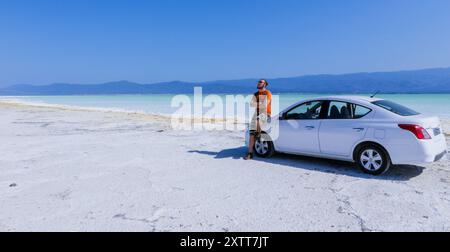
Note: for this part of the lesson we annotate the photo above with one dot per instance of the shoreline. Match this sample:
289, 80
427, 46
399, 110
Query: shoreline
146, 115
141, 114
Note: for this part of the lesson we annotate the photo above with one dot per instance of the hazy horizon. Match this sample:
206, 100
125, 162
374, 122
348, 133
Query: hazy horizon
229, 80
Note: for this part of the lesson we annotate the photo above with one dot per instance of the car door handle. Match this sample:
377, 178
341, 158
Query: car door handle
310, 127
359, 129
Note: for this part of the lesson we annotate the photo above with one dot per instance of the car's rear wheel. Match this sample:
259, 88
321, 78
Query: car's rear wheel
373, 160
264, 146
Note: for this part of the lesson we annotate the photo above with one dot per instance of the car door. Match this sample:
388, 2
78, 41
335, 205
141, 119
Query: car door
342, 127
299, 129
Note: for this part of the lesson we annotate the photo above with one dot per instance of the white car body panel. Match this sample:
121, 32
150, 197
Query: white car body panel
296, 130
338, 138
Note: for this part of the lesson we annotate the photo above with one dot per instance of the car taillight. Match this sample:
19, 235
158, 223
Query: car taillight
417, 130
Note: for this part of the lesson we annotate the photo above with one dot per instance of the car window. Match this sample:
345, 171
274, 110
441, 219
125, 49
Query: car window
396, 108
346, 110
360, 111
305, 111
338, 110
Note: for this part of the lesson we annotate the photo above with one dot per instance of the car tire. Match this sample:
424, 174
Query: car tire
373, 159
264, 147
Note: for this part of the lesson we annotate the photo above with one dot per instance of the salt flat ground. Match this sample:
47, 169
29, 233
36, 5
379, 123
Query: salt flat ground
74, 170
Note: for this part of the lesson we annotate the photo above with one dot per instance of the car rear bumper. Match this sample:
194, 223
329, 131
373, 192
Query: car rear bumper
420, 152
434, 150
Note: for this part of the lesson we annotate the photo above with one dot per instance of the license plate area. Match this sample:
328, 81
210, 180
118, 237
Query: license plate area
436, 131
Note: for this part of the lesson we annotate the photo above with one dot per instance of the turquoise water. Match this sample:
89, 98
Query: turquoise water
428, 104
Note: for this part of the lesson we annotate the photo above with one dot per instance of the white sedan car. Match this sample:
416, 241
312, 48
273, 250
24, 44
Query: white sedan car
374, 133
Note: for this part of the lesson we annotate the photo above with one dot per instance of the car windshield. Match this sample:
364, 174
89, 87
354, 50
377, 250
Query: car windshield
396, 108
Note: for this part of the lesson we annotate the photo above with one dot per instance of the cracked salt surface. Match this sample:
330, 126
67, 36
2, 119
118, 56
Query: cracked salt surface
100, 171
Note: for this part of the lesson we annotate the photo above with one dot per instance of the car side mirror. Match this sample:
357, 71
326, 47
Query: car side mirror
282, 116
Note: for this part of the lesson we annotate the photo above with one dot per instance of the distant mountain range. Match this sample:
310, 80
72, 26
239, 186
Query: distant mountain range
417, 81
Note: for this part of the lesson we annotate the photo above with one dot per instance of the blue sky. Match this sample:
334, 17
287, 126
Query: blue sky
81, 41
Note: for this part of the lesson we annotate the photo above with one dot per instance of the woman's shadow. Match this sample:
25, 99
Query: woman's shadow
396, 173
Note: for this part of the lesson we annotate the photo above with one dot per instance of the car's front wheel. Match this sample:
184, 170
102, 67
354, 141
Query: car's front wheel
373, 160
264, 146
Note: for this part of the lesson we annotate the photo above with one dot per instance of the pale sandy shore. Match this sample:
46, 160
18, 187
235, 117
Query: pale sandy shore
85, 170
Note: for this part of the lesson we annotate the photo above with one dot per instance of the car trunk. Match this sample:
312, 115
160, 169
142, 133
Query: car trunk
431, 123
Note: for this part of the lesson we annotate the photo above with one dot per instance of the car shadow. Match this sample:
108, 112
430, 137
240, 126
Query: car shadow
396, 173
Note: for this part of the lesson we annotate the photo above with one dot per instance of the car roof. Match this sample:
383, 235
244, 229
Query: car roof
350, 98
362, 100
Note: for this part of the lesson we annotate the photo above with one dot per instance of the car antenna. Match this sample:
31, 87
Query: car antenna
375, 94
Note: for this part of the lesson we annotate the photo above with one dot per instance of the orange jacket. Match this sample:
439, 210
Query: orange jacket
263, 99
